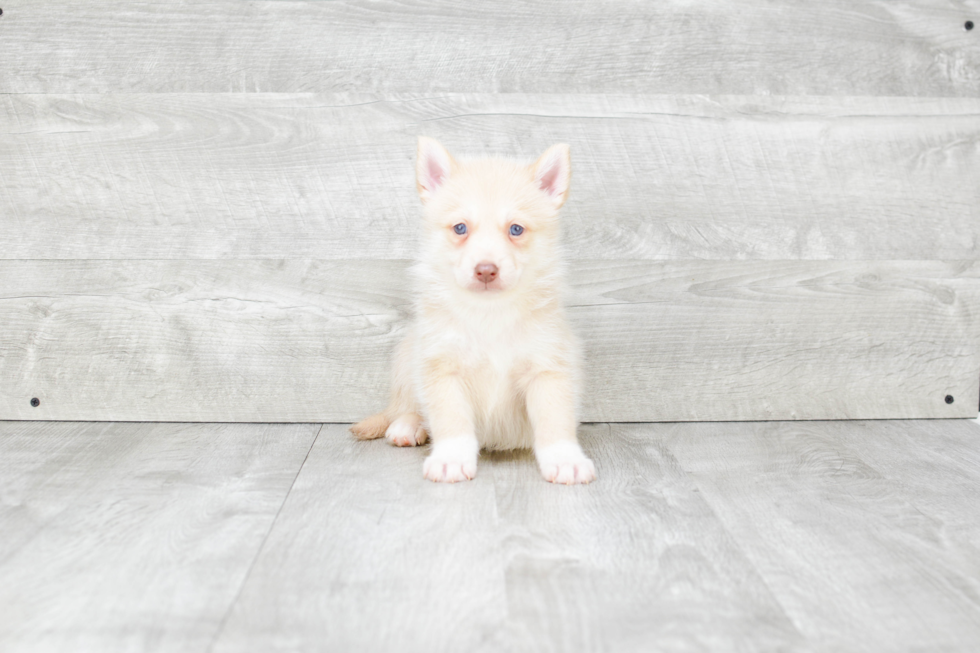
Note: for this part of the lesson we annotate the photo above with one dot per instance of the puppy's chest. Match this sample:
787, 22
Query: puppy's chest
495, 359
497, 352
496, 376
500, 358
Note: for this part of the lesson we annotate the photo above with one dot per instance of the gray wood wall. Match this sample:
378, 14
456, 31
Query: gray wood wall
205, 207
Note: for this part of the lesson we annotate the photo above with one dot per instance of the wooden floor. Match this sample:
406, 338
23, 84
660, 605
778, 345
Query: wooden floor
809, 536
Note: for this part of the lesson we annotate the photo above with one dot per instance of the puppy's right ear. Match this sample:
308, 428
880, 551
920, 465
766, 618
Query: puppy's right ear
432, 168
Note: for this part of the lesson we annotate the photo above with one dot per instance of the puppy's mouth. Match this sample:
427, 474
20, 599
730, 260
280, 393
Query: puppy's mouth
486, 286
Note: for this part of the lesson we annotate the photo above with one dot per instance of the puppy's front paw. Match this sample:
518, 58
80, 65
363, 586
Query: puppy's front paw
565, 463
452, 460
406, 431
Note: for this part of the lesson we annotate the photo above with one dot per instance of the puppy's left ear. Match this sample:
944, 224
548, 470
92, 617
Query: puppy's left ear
553, 172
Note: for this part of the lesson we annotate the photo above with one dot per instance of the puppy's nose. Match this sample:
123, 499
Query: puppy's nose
486, 271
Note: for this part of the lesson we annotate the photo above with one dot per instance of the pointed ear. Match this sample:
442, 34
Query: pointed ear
432, 167
553, 172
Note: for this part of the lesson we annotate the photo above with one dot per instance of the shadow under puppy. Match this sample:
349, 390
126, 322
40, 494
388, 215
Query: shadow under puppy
489, 361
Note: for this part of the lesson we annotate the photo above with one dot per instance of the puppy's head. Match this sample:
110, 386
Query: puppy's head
491, 225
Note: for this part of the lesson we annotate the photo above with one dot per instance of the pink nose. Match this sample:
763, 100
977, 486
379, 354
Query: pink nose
486, 271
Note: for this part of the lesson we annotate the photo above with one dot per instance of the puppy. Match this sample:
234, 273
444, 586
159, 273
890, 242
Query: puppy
490, 361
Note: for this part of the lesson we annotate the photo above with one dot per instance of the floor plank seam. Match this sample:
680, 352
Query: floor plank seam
737, 543
258, 551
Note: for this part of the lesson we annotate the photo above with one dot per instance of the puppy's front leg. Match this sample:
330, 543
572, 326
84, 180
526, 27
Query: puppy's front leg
551, 408
454, 444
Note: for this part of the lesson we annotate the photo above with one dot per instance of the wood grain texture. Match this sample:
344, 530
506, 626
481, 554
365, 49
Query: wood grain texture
368, 556
855, 556
306, 340
133, 537
637, 561
815, 536
331, 176
934, 465
871, 47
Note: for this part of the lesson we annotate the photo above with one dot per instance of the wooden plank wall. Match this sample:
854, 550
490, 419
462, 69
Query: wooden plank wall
205, 207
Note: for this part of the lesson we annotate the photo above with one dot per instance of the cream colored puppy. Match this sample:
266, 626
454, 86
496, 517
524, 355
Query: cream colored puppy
490, 361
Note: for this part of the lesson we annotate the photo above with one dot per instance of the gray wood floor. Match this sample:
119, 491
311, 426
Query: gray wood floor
815, 536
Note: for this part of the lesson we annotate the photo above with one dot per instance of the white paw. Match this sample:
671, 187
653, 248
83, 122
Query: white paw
452, 460
406, 431
564, 462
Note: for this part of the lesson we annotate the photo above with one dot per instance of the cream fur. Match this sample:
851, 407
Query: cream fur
489, 365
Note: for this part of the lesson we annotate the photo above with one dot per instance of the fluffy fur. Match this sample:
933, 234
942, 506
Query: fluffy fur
490, 361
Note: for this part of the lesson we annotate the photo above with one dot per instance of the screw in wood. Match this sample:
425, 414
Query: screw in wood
35, 402
949, 399
968, 24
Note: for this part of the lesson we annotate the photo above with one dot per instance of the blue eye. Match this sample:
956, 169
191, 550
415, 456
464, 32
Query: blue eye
460, 229
516, 230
